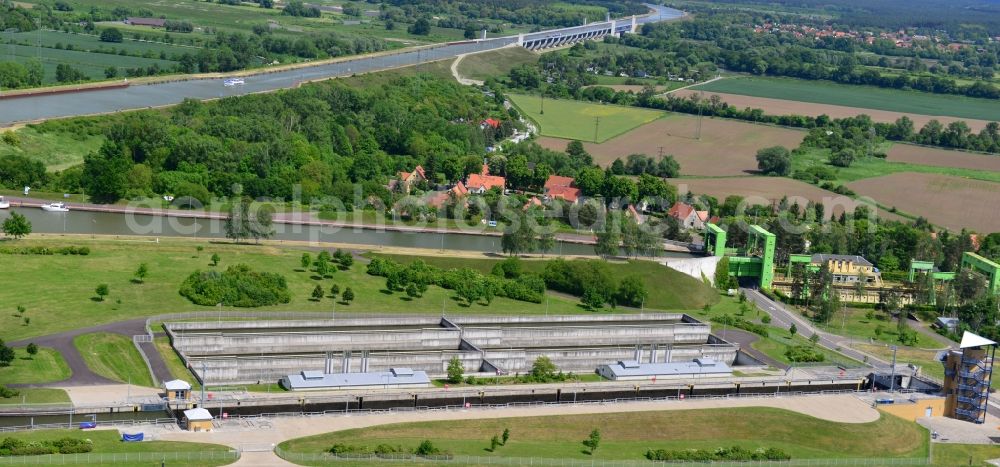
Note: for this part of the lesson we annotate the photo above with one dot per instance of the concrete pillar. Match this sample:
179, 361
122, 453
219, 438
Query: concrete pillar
668, 356
364, 361
520, 39
347, 362
328, 363
652, 353
635, 25
638, 353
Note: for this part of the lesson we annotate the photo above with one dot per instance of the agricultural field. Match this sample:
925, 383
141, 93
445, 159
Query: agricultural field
766, 190
495, 63
943, 158
868, 167
582, 121
865, 97
629, 435
91, 64
57, 290
949, 201
792, 107
726, 147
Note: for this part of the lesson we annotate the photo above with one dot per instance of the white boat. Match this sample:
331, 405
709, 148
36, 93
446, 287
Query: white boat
4, 204
55, 207
234, 82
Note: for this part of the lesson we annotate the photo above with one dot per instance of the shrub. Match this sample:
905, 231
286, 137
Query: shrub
803, 353
238, 286
734, 453
741, 323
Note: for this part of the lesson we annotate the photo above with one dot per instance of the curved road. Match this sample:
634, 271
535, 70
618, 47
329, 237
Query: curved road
42, 107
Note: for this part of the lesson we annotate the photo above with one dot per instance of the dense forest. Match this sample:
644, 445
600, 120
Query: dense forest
532, 12
324, 137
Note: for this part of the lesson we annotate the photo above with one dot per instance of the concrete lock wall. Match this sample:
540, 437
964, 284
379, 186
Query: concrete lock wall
338, 324
572, 335
236, 344
474, 321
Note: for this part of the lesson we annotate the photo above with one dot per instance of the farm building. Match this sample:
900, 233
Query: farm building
394, 378
627, 370
688, 216
177, 390
197, 420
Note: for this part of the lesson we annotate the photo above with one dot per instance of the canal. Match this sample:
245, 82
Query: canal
103, 223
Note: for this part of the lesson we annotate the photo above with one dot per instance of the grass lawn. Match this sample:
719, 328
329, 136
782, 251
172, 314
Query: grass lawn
779, 339
109, 441
866, 97
866, 167
57, 289
577, 120
922, 358
496, 63
853, 323
959, 454
45, 367
37, 396
668, 289
174, 363
113, 356
629, 435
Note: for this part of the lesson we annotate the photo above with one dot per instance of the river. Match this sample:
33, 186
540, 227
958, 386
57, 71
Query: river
104, 223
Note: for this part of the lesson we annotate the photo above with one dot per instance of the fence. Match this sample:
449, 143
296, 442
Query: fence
114, 458
325, 458
103, 423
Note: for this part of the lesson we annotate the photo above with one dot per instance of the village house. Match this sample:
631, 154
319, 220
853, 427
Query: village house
688, 216
559, 187
437, 199
405, 181
482, 182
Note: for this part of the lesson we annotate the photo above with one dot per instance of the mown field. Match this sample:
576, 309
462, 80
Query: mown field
944, 158
629, 435
45, 367
58, 290
113, 356
496, 63
726, 147
866, 97
582, 121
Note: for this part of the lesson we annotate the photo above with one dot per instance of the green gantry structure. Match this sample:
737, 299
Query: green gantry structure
970, 260
756, 261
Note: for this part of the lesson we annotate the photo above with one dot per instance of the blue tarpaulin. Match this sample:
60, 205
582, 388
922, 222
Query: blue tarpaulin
131, 438
85, 425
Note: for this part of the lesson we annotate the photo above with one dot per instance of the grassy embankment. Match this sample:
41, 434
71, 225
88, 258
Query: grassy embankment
109, 441
629, 435
113, 356
867, 97
582, 120
45, 367
57, 290
496, 63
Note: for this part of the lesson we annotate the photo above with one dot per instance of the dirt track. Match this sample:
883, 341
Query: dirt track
783, 107
726, 147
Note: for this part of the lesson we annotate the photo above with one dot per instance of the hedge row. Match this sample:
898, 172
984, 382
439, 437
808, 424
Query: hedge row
734, 453
17, 447
42, 250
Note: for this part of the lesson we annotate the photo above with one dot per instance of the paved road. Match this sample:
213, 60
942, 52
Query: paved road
82, 376
783, 317
745, 340
41, 107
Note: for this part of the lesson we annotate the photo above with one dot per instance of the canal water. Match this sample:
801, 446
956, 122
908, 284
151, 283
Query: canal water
103, 223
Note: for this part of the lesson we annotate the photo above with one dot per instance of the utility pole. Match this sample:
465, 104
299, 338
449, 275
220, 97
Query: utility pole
541, 111
661, 152
697, 133
892, 378
597, 124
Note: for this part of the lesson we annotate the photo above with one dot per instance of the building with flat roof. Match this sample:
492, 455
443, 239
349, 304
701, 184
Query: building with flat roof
310, 380
197, 420
627, 370
177, 390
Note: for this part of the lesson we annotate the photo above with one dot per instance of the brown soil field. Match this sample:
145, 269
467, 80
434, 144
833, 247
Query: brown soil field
783, 107
769, 190
726, 147
949, 201
943, 157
